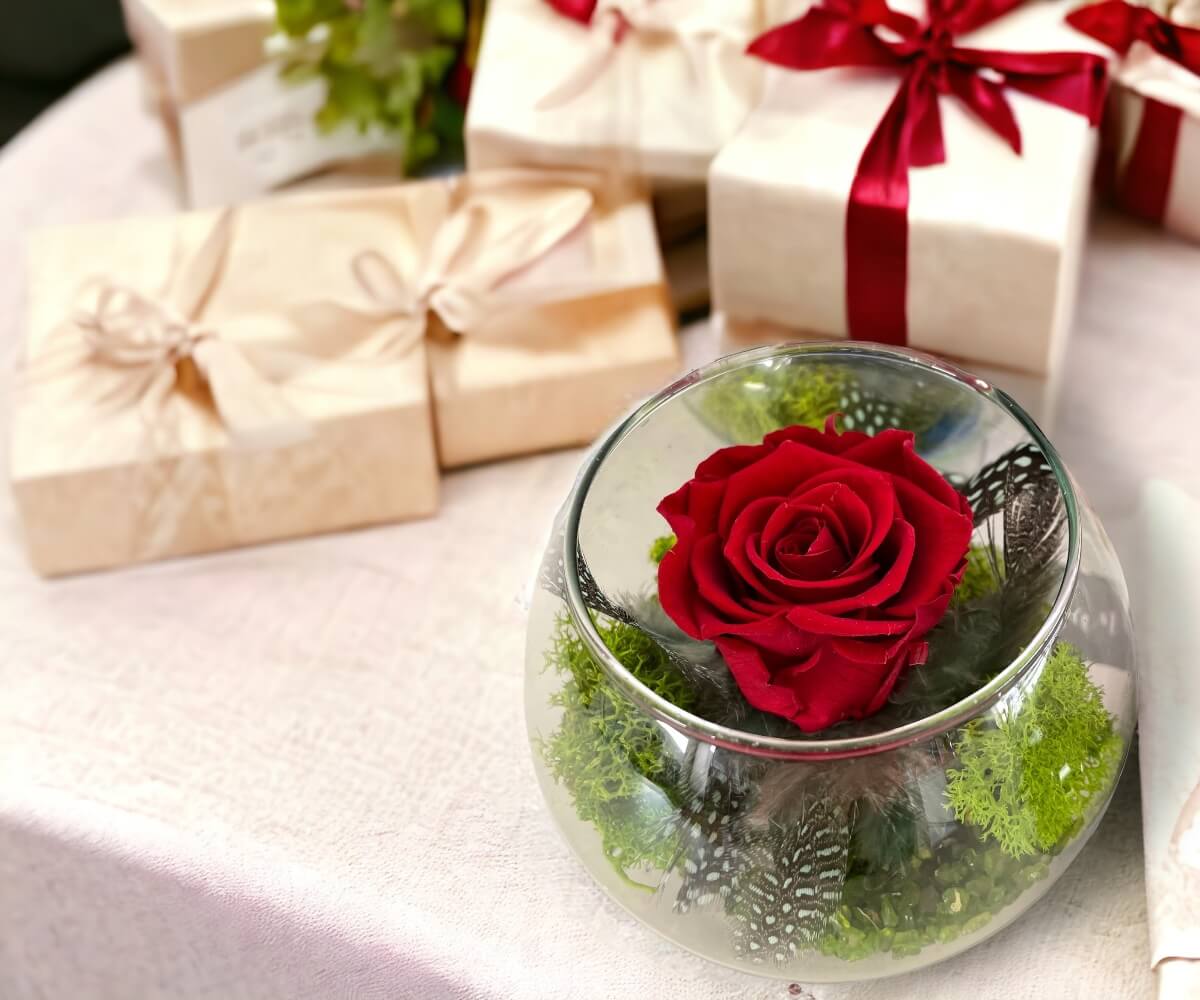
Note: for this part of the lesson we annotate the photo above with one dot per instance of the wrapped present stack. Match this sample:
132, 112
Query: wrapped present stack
916, 172
258, 97
647, 87
1152, 149
219, 383
913, 178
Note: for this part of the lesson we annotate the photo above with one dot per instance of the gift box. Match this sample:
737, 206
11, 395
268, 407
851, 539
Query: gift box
913, 182
554, 317
646, 87
210, 380
1151, 157
239, 129
190, 48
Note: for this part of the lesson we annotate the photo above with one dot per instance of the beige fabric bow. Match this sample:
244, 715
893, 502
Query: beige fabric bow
489, 232
146, 337
498, 227
691, 24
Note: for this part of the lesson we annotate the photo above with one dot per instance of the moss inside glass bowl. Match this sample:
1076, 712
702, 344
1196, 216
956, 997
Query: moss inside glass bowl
880, 844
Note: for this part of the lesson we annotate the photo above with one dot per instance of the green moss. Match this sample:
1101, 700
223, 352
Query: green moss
982, 575
385, 66
660, 547
746, 405
608, 754
749, 405
1029, 780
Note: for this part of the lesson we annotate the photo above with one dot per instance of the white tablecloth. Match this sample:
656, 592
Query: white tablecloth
300, 771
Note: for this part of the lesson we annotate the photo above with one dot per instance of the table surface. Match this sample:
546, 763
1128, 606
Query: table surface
301, 770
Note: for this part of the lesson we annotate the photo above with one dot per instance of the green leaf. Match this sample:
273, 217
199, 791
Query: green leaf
299, 17
1030, 779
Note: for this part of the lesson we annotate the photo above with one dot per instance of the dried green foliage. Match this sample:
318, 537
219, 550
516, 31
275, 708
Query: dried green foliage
660, 547
385, 65
983, 575
608, 753
1029, 779
746, 406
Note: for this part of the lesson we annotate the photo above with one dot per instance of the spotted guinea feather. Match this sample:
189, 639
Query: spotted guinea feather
791, 884
989, 490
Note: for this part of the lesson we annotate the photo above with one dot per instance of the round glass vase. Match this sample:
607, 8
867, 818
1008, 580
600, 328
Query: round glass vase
873, 847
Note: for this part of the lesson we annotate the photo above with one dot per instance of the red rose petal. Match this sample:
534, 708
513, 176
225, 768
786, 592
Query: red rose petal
676, 592
754, 679
943, 537
807, 619
832, 691
817, 561
904, 542
713, 581
801, 591
894, 451
743, 535
790, 465
828, 440
818, 501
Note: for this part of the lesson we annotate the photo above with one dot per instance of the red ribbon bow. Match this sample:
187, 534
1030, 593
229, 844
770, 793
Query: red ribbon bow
844, 33
1119, 24
1145, 183
576, 10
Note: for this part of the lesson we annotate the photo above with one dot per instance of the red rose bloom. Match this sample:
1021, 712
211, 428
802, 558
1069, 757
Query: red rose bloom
816, 561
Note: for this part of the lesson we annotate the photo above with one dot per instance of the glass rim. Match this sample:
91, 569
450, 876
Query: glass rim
778, 747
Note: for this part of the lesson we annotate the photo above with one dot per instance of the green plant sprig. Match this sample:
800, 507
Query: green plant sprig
608, 754
1029, 779
384, 64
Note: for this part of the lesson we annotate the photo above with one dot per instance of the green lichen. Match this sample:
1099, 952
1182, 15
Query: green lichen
608, 754
746, 405
749, 405
982, 576
1029, 779
385, 66
660, 547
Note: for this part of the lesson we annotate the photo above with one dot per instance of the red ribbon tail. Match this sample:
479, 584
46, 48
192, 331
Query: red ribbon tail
877, 223
1145, 184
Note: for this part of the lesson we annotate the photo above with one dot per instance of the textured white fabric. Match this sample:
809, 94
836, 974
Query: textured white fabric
300, 771
1170, 741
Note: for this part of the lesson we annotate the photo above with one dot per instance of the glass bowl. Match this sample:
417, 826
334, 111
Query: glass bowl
875, 846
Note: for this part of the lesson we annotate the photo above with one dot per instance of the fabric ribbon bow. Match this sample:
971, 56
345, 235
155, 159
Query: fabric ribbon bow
843, 33
1145, 183
142, 338
464, 266
611, 21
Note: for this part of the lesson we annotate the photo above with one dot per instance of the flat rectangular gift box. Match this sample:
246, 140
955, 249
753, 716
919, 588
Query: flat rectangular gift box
190, 48
215, 379
994, 239
656, 98
1154, 131
238, 129
564, 344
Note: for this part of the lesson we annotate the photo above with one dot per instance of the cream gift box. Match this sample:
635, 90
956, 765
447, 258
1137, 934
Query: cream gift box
993, 238
646, 87
550, 311
190, 48
240, 130
1153, 126
211, 380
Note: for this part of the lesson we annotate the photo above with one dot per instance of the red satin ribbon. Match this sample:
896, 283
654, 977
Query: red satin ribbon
1144, 185
844, 33
576, 10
